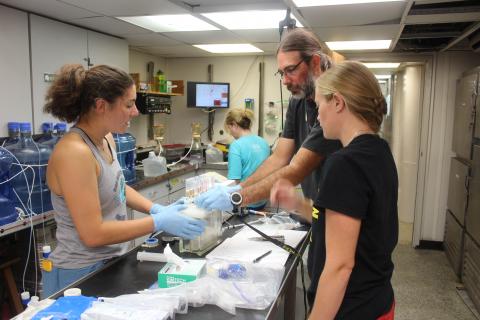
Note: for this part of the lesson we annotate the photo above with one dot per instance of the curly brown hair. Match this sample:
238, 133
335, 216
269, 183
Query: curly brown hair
74, 91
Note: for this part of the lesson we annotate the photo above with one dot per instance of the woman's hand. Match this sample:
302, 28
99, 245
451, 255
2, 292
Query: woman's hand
284, 194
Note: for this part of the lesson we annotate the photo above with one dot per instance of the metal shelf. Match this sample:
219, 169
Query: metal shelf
25, 223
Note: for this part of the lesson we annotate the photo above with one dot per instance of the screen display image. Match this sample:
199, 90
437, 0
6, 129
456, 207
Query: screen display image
208, 95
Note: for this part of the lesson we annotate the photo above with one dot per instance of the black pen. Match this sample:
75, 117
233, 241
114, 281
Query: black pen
262, 256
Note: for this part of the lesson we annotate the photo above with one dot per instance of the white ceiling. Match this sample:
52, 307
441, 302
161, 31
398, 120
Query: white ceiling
376, 21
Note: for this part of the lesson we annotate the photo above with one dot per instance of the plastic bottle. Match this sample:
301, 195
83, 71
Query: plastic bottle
61, 129
162, 82
45, 263
213, 155
8, 214
154, 166
51, 133
13, 133
126, 154
47, 137
35, 154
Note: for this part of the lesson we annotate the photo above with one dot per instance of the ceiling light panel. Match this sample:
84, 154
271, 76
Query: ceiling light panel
319, 3
228, 48
383, 76
382, 65
359, 45
251, 19
170, 23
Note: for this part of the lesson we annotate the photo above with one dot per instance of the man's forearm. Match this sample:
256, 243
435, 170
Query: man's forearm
267, 167
301, 165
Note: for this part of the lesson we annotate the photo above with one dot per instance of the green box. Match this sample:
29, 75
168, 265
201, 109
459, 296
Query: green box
172, 275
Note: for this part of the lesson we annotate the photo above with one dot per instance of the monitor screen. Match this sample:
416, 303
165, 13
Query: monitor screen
208, 94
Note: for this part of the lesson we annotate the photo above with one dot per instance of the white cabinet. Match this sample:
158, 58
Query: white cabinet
103, 49
15, 88
54, 44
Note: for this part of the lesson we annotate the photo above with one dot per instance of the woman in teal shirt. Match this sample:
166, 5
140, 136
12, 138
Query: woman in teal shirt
248, 151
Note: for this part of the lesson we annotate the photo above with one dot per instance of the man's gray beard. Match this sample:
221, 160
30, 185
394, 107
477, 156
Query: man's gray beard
308, 88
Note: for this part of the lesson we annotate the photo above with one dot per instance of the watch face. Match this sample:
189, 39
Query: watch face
236, 198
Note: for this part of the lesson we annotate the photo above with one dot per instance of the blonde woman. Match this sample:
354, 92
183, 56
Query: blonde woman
354, 216
248, 151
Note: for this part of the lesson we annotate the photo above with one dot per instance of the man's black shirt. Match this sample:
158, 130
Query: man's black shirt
302, 126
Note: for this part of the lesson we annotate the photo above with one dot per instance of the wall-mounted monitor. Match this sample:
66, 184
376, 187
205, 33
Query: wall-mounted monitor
208, 94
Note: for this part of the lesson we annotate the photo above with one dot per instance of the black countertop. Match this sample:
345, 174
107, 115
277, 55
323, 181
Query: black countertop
126, 275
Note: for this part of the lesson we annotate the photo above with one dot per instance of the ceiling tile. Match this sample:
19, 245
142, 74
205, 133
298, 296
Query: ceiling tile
115, 8
110, 25
151, 39
351, 33
265, 35
205, 37
50, 8
353, 15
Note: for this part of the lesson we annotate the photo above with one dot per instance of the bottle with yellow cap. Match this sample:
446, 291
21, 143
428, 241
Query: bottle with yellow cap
45, 263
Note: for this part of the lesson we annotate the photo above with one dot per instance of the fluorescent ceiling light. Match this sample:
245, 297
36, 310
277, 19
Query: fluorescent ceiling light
228, 48
383, 76
359, 45
382, 65
251, 19
318, 3
170, 23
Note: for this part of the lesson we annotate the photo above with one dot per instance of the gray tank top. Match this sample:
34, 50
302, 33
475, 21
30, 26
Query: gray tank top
70, 252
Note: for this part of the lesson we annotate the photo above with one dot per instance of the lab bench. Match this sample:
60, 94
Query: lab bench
126, 275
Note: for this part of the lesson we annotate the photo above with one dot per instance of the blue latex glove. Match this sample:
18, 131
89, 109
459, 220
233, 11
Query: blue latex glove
217, 198
156, 208
170, 219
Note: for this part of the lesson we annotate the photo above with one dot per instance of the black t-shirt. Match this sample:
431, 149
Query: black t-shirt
302, 126
360, 181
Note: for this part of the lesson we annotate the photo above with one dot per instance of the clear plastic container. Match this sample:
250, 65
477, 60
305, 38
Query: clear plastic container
13, 133
213, 155
210, 237
126, 155
35, 154
8, 213
154, 166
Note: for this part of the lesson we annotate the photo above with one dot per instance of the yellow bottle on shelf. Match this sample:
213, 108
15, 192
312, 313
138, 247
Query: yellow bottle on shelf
45, 263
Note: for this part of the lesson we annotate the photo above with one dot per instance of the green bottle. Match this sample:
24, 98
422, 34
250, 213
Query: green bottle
162, 82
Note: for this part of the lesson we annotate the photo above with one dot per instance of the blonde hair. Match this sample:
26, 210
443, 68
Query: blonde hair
358, 87
241, 117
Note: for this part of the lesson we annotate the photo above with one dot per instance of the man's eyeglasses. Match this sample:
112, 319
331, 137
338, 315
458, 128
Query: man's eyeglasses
289, 70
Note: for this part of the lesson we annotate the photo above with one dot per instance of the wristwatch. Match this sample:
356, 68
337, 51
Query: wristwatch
236, 200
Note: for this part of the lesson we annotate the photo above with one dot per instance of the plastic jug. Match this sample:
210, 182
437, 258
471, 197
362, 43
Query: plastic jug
154, 165
61, 129
8, 213
51, 133
13, 133
213, 155
126, 154
35, 154
48, 138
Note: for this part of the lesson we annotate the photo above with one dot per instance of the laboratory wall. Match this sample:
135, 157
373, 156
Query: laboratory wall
242, 72
406, 107
138, 64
